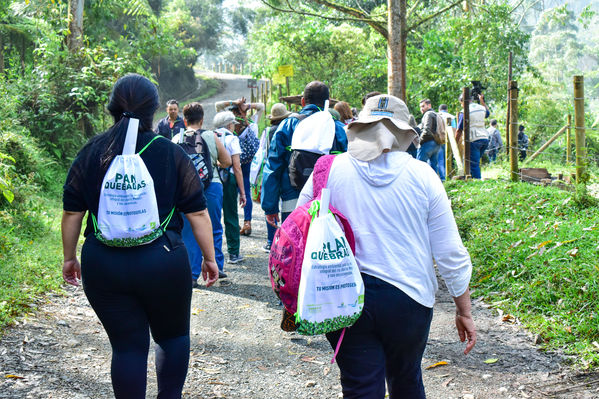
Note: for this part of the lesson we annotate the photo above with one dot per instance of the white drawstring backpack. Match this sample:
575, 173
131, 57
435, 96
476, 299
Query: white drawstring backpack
128, 211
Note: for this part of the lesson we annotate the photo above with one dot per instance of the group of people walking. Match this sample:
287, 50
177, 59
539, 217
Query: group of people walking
397, 206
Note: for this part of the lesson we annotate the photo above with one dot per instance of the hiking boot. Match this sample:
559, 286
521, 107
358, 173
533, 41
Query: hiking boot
246, 230
235, 258
266, 248
222, 274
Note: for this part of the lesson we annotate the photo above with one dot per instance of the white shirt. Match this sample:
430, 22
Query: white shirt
229, 140
401, 218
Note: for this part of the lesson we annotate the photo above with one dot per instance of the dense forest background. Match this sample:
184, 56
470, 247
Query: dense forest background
54, 88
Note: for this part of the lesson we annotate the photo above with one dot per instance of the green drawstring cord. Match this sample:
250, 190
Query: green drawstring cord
147, 145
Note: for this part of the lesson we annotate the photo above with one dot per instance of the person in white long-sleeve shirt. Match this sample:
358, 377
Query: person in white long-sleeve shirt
402, 220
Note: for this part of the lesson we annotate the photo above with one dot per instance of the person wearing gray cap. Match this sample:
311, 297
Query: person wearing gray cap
402, 219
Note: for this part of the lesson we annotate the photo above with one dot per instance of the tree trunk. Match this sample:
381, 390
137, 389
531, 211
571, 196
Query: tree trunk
75, 38
396, 48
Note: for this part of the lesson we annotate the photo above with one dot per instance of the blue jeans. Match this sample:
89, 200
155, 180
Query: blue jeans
247, 209
214, 201
412, 150
428, 152
477, 149
441, 162
386, 343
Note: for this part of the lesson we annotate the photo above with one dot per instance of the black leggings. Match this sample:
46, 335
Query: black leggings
134, 291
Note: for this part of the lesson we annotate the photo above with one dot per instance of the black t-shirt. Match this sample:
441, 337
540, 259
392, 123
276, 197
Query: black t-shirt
176, 181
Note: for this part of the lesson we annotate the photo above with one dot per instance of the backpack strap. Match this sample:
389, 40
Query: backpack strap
320, 175
147, 145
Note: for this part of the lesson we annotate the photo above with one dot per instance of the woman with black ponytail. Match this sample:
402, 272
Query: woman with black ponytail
140, 289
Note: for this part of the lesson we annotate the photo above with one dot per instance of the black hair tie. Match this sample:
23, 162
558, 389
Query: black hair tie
128, 114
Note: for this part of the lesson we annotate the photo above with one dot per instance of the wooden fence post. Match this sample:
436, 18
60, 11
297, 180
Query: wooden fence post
514, 131
466, 130
569, 140
579, 126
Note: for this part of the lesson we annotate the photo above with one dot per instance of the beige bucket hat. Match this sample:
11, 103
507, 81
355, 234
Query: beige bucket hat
278, 112
381, 125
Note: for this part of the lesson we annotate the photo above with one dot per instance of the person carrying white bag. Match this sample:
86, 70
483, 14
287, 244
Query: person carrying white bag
401, 219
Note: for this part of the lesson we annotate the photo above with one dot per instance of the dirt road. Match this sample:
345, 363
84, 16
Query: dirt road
238, 350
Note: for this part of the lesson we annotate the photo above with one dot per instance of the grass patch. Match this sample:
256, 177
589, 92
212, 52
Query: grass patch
212, 86
30, 252
534, 251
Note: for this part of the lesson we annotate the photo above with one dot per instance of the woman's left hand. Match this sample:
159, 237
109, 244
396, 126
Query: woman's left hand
71, 271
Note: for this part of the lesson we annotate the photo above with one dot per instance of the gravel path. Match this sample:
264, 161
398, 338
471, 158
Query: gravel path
239, 351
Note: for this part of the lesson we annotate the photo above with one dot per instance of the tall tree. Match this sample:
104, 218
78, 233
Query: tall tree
395, 24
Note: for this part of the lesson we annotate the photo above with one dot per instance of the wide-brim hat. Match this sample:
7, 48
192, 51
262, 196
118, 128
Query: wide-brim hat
383, 124
278, 112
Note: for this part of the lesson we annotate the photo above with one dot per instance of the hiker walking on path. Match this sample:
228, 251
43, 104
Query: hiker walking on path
137, 289
495, 142
401, 219
247, 130
232, 180
193, 114
278, 113
172, 123
276, 183
429, 148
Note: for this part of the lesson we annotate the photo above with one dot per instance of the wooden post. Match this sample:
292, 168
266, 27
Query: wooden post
280, 92
569, 140
579, 126
547, 144
513, 143
287, 84
466, 130
507, 119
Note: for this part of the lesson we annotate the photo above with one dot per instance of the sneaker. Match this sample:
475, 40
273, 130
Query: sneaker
266, 248
194, 283
235, 258
222, 274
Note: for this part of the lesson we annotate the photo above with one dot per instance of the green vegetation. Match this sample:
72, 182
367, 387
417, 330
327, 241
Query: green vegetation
30, 245
535, 257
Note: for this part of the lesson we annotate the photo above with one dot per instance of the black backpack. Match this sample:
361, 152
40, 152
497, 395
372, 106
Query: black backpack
301, 162
196, 147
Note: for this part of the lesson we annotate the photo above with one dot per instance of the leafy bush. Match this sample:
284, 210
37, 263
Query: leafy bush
535, 258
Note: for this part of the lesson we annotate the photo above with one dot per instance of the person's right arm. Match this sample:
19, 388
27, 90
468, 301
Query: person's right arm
202, 231
71, 228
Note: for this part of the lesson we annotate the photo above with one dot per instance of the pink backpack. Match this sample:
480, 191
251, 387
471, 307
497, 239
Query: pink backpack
287, 250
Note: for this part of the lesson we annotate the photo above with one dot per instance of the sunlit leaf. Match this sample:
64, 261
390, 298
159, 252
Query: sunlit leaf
441, 363
491, 361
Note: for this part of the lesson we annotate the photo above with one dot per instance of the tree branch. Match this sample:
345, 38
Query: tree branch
433, 15
358, 16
